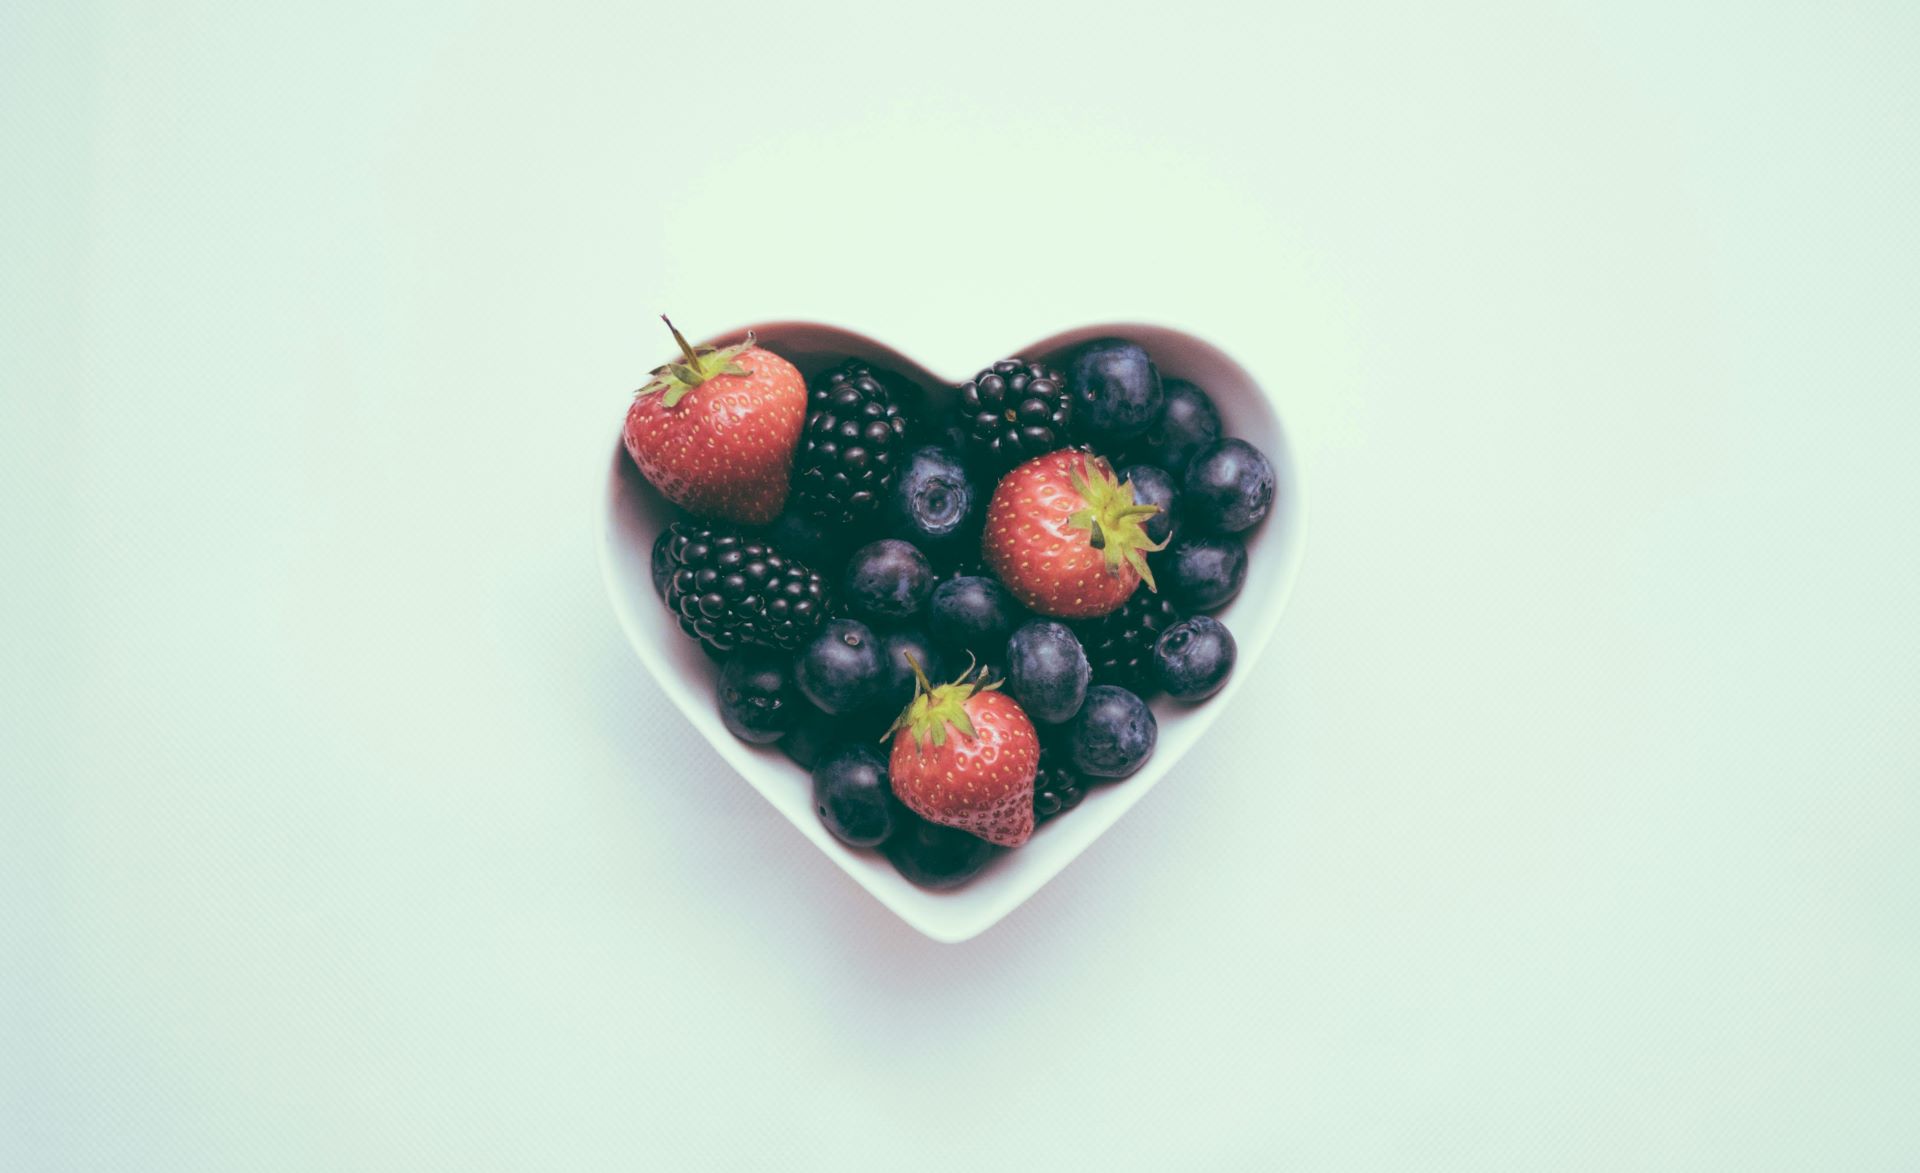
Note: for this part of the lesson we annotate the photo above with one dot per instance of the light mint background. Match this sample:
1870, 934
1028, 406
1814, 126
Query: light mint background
1570, 827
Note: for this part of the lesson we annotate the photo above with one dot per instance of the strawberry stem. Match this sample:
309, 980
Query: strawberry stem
686, 348
919, 673
697, 365
1112, 519
936, 708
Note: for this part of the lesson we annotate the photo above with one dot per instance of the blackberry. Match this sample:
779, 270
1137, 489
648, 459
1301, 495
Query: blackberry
1014, 411
1056, 788
1120, 645
729, 589
662, 563
853, 434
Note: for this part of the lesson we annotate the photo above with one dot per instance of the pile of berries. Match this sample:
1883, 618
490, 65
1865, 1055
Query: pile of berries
953, 619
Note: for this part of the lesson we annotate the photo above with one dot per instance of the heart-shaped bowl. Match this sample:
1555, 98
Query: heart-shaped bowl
633, 516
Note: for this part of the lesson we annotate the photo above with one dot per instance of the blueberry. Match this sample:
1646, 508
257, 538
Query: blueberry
852, 794
1205, 573
895, 647
758, 701
1188, 424
814, 733
1193, 658
662, 562
952, 434
1047, 671
816, 738
841, 669
1153, 485
973, 612
1229, 487
869, 726
1113, 733
934, 503
1116, 390
812, 541
888, 581
934, 856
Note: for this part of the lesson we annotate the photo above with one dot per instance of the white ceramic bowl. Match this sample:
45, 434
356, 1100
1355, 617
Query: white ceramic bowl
633, 515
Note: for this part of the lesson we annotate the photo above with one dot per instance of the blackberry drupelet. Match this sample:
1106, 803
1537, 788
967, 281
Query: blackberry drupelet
854, 432
1120, 645
1014, 411
1056, 788
728, 589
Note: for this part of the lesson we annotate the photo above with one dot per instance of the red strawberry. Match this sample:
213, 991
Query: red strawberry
1066, 537
716, 432
964, 755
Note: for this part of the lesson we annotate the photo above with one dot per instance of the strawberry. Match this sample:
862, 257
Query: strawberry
1067, 537
964, 755
716, 432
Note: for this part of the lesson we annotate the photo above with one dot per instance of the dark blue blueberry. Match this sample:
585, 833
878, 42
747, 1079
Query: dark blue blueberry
813, 734
1205, 573
870, 725
888, 581
934, 502
1047, 671
1113, 733
896, 646
1153, 485
867, 726
1229, 487
758, 700
1188, 424
1194, 658
934, 856
1116, 390
841, 669
852, 794
973, 612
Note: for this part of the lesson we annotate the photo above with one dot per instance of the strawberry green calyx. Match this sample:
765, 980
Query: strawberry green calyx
697, 365
1115, 525
936, 706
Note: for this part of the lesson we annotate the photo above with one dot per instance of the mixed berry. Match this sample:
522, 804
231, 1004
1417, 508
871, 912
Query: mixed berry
950, 617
